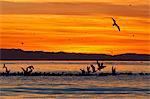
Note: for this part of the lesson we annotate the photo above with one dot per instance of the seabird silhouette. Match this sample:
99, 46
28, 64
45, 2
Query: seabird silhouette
100, 66
28, 70
133, 35
130, 4
115, 24
22, 43
7, 71
31, 67
88, 69
93, 68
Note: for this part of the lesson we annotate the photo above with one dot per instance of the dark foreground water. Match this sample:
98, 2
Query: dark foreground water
87, 87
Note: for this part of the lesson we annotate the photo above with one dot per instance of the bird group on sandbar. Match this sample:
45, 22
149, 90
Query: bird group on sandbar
92, 68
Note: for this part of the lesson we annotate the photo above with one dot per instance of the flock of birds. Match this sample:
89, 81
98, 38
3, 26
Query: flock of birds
100, 67
90, 69
29, 69
26, 71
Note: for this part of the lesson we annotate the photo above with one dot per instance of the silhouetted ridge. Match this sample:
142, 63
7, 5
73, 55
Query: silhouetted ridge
18, 54
132, 56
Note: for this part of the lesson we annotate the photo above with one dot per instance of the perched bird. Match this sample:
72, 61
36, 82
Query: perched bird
115, 24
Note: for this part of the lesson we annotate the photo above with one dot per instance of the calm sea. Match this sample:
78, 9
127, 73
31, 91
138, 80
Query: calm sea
87, 87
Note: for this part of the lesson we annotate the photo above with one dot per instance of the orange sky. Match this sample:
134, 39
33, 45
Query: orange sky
75, 25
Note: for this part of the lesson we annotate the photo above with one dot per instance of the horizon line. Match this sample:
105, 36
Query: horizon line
69, 52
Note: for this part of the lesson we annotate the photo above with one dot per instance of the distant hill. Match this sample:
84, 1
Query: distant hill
18, 54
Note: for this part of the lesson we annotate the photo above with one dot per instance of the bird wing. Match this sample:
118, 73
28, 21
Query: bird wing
23, 69
118, 27
114, 20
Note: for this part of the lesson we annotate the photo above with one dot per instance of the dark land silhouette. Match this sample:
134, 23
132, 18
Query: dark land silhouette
18, 54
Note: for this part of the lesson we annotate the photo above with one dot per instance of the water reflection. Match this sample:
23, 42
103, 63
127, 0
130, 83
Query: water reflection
77, 87
47, 66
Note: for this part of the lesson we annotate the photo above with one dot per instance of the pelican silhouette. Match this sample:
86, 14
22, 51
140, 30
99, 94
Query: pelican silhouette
93, 68
115, 24
6, 70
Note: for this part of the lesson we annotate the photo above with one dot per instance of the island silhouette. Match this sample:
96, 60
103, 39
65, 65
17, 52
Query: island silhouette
18, 54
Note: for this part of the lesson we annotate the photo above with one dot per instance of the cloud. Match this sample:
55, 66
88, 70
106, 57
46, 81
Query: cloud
75, 8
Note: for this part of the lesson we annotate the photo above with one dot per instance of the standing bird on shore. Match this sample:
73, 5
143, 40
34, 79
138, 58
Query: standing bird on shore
6, 70
115, 24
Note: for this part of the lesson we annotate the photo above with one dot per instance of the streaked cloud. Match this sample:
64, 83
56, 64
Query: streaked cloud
75, 8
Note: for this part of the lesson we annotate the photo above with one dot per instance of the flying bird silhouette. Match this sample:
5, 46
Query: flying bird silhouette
100, 66
28, 70
22, 43
93, 68
115, 24
130, 4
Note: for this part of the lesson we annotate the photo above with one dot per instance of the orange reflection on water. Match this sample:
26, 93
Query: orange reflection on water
71, 66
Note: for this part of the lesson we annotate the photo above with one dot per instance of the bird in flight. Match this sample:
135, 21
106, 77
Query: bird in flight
133, 35
22, 43
115, 24
130, 4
